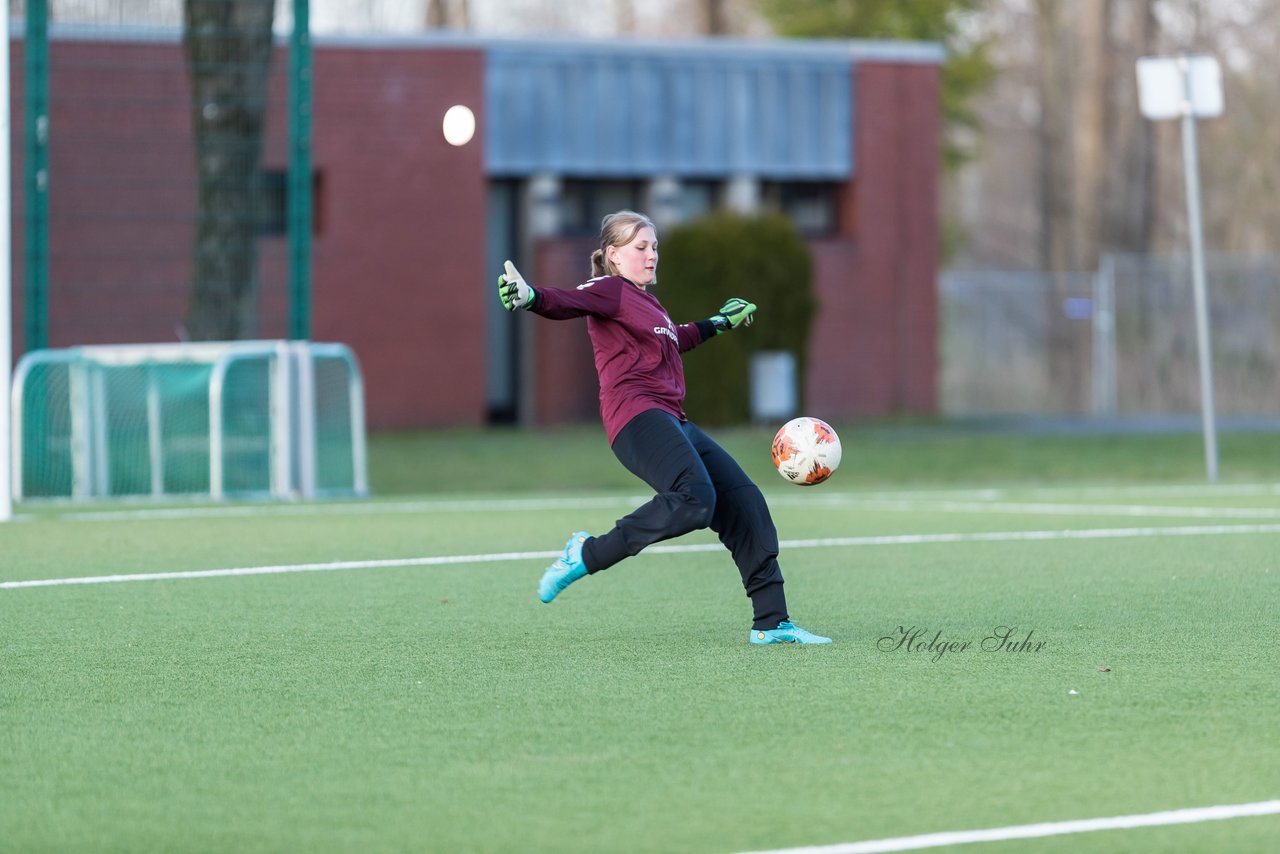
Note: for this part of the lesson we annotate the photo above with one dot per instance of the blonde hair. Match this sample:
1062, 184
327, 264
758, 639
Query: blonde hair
617, 229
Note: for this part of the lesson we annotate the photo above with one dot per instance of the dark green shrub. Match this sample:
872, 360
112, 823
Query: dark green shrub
761, 259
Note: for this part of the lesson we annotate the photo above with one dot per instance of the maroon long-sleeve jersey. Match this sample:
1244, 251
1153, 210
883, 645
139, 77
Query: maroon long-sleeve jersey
637, 347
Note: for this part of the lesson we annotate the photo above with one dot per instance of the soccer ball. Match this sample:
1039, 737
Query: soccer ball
806, 451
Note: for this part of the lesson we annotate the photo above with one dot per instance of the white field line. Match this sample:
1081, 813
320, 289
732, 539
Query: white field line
826, 542
1034, 831
1173, 490
468, 505
280, 569
1058, 509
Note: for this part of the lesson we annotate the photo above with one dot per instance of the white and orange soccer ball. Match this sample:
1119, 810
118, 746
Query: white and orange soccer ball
806, 451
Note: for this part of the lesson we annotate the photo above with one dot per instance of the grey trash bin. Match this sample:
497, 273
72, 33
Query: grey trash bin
773, 385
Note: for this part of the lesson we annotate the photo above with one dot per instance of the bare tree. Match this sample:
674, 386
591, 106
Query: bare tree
1065, 120
1068, 93
1239, 168
1066, 148
1127, 194
716, 15
1088, 134
448, 14
228, 47
1056, 169
625, 12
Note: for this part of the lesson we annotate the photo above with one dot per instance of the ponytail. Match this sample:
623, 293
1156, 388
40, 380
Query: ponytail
599, 264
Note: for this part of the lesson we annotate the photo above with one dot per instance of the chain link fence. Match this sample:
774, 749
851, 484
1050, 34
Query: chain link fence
155, 170
1121, 341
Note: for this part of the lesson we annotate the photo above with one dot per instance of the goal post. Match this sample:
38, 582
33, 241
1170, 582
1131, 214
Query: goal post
244, 419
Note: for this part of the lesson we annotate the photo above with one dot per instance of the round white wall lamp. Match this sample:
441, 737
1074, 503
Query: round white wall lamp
459, 125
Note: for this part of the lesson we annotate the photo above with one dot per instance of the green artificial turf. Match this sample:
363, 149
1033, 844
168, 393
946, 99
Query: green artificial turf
443, 708
876, 455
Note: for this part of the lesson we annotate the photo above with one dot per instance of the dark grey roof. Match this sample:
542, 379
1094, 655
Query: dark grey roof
605, 111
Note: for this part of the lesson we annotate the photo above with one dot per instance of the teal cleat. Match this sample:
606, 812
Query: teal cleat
786, 633
566, 570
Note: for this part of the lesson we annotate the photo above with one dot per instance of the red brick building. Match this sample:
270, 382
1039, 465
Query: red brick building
410, 231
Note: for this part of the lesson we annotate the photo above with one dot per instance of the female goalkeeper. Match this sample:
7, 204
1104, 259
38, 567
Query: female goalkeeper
698, 485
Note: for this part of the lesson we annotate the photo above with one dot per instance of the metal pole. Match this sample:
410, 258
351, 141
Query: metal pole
155, 432
282, 431
299, 200
304, 363
100, 442
1190, 159
217, 397
1104, 337
80, 402
6, 281
36, 178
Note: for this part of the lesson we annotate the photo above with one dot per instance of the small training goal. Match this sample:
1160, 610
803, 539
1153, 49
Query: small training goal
240, 419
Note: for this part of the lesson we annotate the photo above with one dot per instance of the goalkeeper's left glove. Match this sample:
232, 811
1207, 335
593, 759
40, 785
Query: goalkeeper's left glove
514, 291
734, 313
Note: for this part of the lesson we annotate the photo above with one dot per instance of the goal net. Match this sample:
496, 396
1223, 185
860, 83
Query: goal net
245, 419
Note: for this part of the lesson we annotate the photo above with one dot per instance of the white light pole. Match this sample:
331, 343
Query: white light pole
6, 284
1189, 87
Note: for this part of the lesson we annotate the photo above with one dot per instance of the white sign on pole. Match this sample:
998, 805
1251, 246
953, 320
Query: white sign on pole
1164, 92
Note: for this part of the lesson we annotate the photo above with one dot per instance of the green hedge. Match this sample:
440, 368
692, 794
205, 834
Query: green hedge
761, 259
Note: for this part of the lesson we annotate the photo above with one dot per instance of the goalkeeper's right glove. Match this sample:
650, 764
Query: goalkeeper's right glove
514, 291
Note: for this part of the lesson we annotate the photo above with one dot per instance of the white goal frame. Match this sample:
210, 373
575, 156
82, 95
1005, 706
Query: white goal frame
292, 412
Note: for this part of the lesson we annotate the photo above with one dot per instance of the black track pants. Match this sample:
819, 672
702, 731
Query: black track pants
698, 485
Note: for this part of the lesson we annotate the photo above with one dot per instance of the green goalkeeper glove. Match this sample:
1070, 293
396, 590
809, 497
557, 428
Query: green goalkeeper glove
734, 313
514, 291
